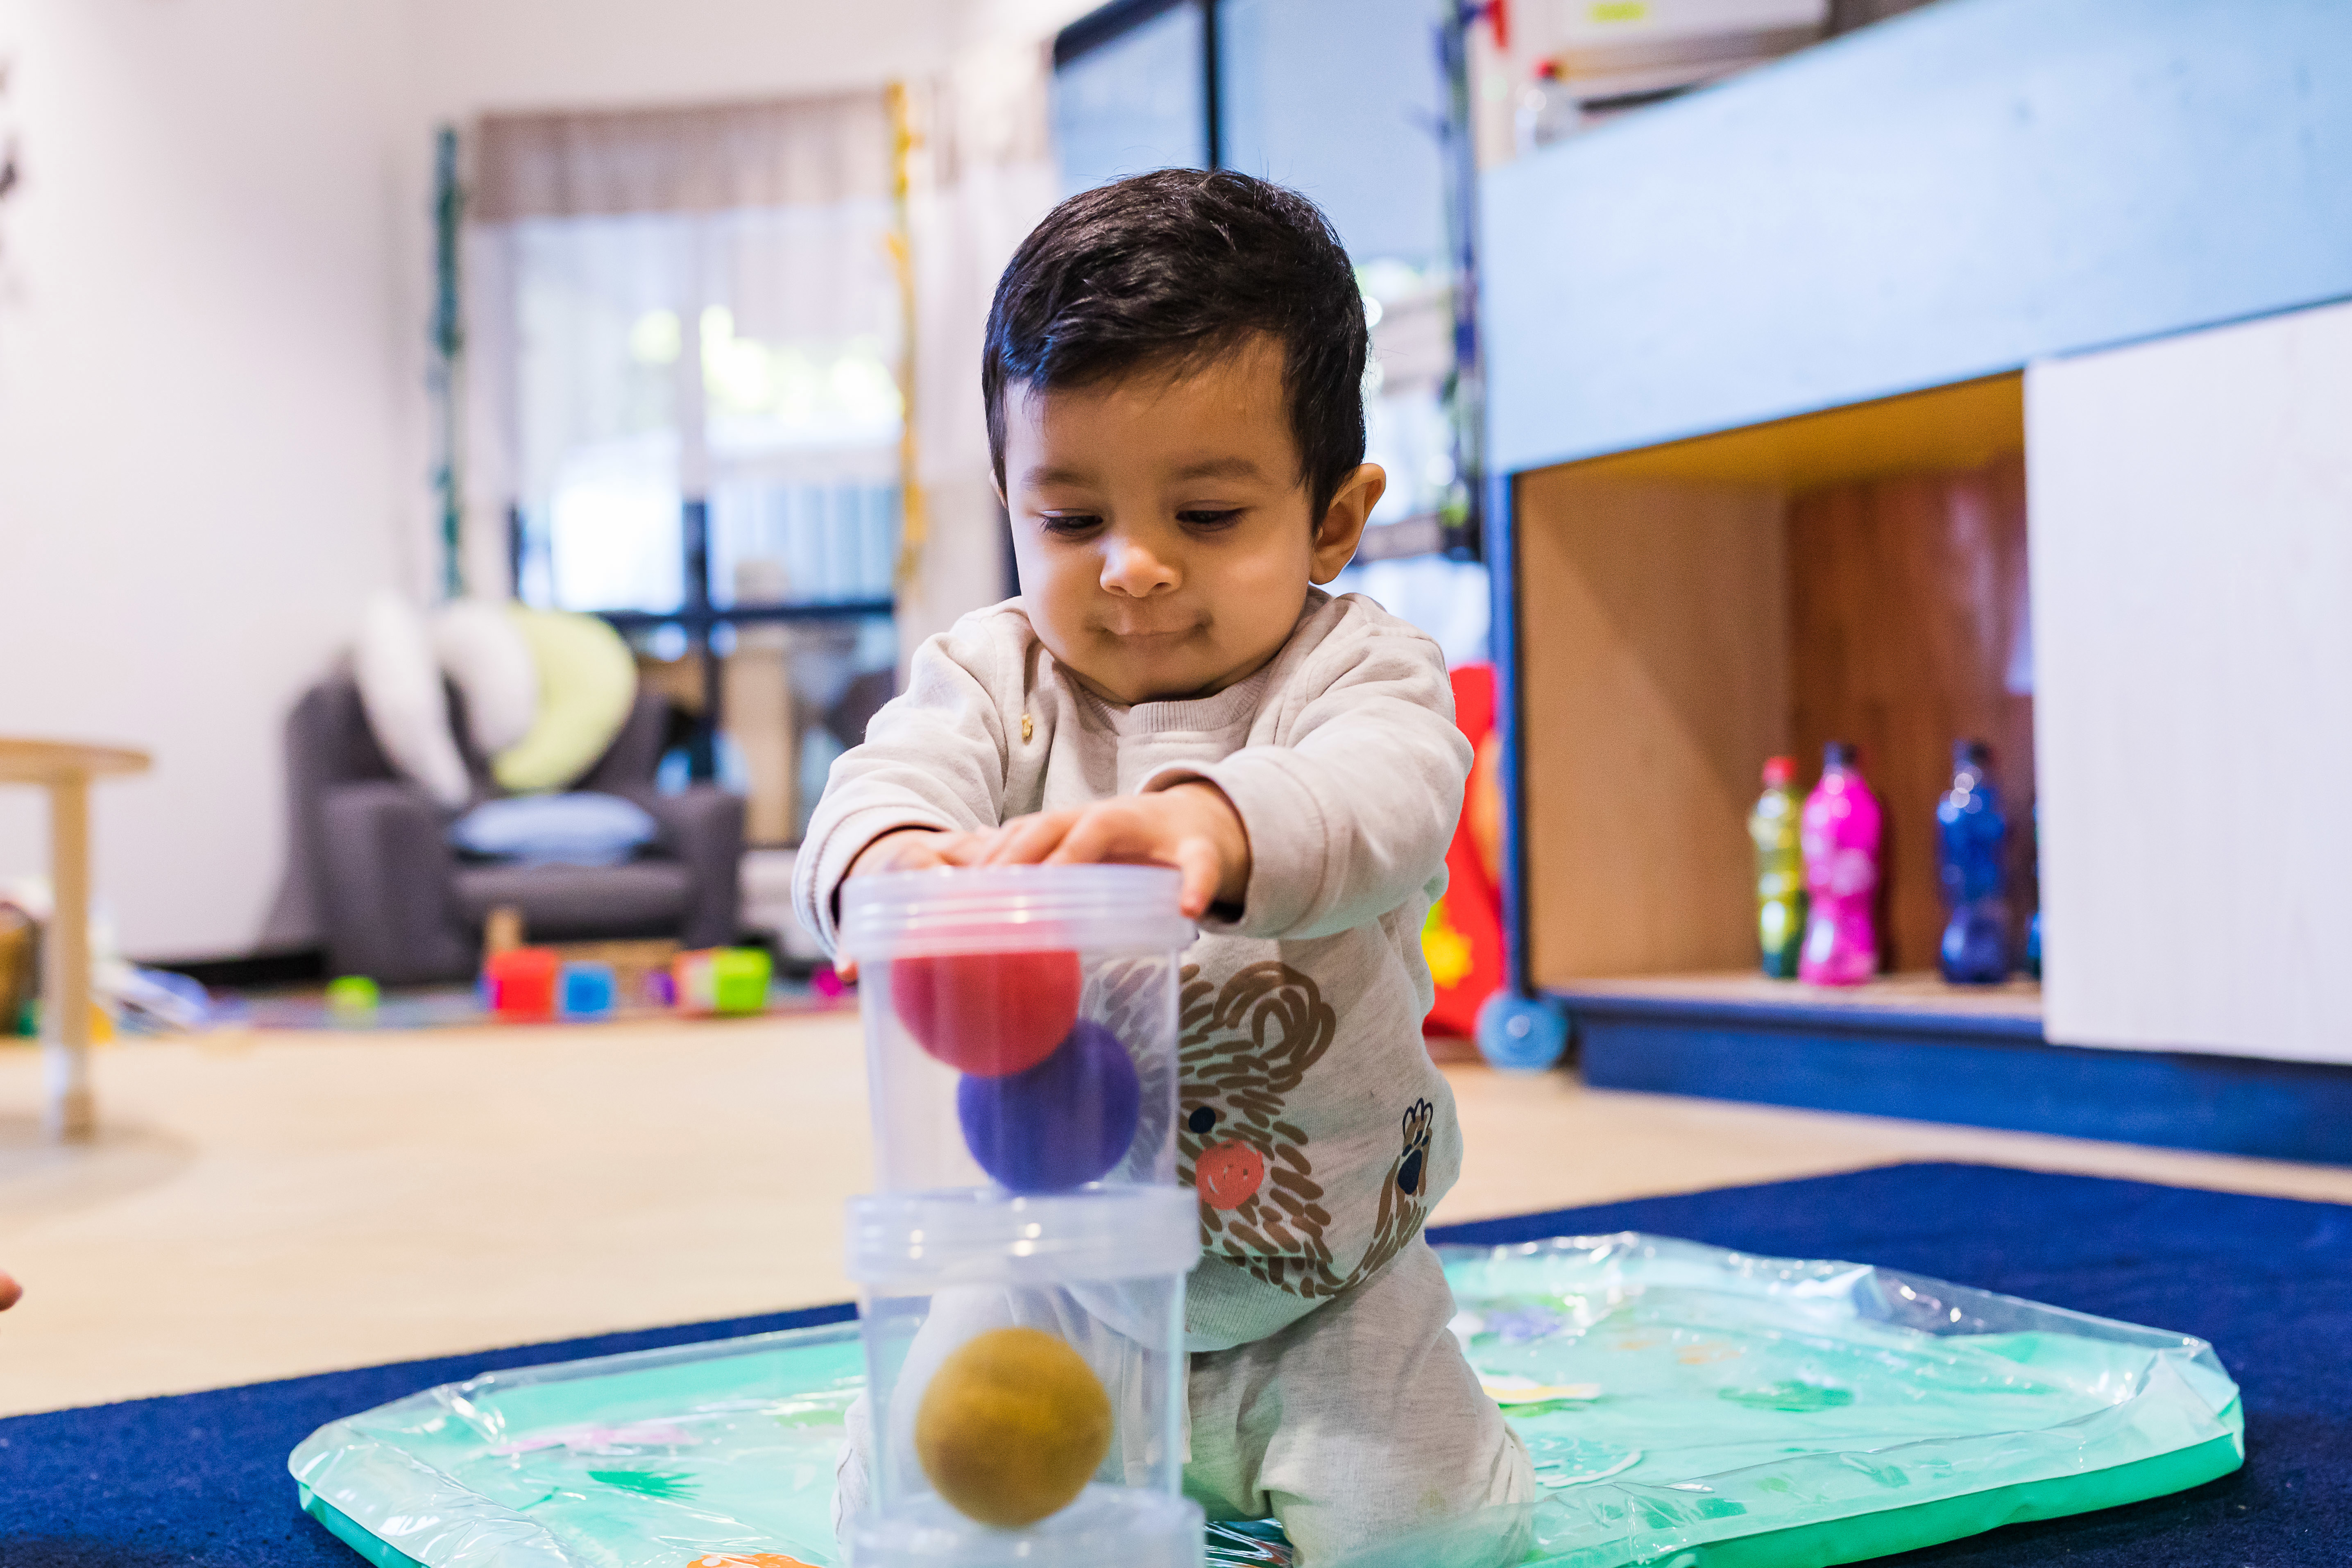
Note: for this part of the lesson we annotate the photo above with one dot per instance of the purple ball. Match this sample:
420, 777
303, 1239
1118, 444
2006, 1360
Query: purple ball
1062, 1124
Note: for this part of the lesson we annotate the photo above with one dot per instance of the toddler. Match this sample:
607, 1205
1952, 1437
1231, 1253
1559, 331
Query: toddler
1174, 376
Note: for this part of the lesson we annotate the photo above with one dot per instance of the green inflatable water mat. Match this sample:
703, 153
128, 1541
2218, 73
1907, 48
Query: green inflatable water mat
1681, 1403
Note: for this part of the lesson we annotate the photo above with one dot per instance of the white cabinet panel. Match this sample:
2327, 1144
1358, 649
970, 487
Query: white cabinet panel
2190, 507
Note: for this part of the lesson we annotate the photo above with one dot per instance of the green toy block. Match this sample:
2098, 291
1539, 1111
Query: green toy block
722, 980
739, 980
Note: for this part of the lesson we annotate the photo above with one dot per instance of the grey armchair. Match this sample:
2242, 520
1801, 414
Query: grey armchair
398, 903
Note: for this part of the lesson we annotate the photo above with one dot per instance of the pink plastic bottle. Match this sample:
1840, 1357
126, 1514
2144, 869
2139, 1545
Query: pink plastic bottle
1839, 836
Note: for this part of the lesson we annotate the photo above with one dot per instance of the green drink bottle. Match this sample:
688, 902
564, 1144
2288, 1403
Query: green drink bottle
1780, 869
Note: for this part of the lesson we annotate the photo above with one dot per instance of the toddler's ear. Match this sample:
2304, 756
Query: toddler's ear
1342, 527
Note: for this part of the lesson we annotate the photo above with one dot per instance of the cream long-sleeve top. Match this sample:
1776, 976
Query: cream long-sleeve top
1311, 1118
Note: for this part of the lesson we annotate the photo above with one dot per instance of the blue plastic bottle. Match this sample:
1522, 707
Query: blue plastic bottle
2033, 926
1970, 834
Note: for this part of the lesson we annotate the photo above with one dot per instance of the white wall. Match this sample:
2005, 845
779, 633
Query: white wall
2191, 539
214, 282
576, 54
197, 416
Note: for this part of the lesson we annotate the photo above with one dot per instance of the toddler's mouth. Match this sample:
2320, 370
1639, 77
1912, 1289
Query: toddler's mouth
1148, 634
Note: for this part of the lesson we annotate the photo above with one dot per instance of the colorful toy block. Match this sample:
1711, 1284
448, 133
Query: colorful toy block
520, 982
588, 989
722, 980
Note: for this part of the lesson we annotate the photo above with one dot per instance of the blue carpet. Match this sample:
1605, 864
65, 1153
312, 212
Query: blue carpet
200, 1479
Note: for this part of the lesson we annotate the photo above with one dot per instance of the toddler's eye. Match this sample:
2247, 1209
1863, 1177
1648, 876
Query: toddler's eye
1069, 524
1210, 521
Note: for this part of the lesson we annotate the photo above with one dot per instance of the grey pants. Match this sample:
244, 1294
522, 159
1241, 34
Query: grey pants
1361, 1427
1364, 1431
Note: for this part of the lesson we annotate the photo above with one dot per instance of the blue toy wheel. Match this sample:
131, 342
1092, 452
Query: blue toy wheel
1521, 1034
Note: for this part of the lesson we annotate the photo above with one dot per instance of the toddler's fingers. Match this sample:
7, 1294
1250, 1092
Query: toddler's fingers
1201, 869
1107, 833
1029, 839
964, 848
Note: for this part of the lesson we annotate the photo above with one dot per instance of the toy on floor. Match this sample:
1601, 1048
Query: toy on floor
20, 968
519, 983
1012, 1427
1059, 1124
726, 980
353, 998
101, 1023
587, 989
987, 1013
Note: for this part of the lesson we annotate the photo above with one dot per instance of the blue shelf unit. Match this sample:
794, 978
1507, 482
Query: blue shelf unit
1953, 194
1980, 1072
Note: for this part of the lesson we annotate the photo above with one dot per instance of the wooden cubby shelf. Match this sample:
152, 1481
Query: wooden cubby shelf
1857, 575
1788, 363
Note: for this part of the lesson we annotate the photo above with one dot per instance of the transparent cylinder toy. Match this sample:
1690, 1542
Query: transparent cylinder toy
1021, 1267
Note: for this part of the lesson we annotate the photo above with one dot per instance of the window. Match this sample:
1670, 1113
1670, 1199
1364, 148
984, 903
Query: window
1128, 94
755, 349
695, 332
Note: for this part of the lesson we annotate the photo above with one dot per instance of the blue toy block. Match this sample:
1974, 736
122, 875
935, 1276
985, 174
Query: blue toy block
586, 990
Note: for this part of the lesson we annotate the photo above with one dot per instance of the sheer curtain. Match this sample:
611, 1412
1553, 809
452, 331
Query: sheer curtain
679, 305
980, 173
688, 329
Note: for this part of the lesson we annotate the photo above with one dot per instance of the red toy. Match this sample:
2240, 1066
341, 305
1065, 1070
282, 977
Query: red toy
1463, 938
520, 982
988, 1013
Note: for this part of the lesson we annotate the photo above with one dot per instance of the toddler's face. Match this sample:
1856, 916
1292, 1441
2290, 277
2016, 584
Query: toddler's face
1163, 529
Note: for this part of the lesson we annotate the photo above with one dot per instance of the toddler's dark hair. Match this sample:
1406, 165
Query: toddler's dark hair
1175, 267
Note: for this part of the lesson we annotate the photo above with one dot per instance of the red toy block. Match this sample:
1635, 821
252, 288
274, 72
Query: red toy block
520, 982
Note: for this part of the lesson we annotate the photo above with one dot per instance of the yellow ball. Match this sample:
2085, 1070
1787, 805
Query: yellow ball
1012, 1427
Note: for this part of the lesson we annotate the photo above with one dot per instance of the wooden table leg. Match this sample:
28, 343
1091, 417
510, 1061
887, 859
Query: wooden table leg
71, 1112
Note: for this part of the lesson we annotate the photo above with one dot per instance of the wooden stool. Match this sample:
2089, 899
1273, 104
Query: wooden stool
67, 768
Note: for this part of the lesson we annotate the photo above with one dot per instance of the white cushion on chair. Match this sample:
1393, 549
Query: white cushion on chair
400, 687
485, 652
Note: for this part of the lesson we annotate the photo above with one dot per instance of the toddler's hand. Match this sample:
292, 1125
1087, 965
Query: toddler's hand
918, 849
911, 849
1191, 826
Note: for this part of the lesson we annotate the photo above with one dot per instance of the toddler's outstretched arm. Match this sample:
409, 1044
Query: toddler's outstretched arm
933, 758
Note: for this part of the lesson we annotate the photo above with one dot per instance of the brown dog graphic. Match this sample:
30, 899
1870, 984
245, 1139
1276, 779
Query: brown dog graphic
1242, 1049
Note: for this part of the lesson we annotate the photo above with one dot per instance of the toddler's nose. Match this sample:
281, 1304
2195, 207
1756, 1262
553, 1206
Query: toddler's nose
1130, 569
